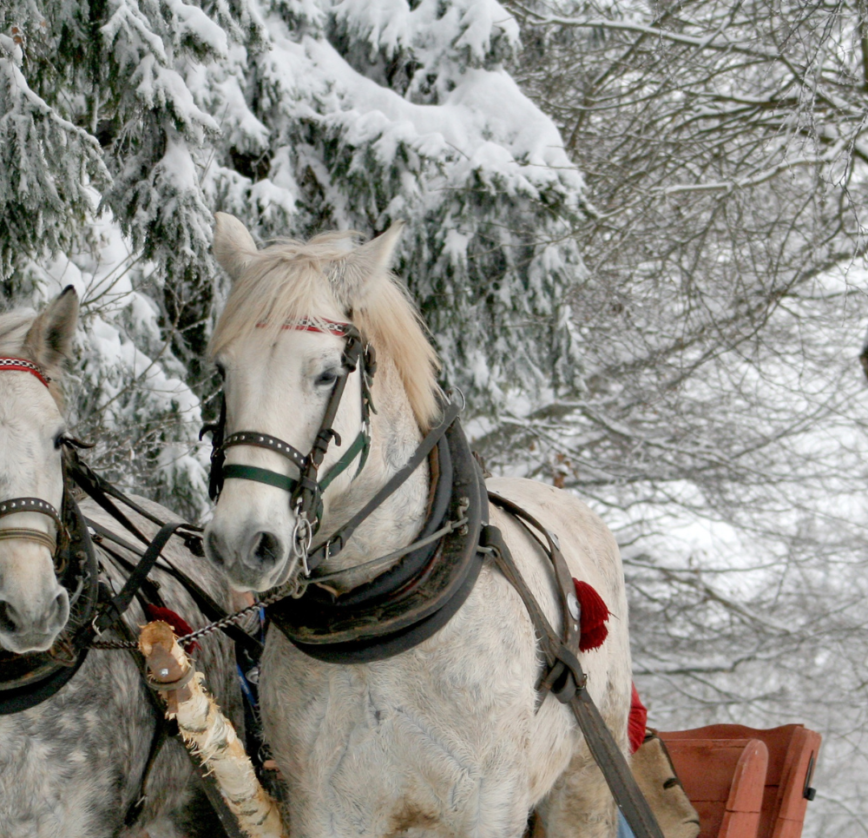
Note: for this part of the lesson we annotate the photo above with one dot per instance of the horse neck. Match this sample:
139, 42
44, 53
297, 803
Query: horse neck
395, 435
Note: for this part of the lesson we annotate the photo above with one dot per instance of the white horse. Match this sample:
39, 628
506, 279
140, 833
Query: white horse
72, 765
448, 738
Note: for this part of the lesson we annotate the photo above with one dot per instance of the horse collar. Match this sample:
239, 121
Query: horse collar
406, 604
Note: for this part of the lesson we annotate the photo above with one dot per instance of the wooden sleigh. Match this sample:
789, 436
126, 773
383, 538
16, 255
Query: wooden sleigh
744, 782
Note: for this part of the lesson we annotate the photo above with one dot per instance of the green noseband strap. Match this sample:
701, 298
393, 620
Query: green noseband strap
260, 475
360, 446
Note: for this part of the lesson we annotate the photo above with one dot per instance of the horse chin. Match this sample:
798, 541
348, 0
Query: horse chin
244, 579
27, 644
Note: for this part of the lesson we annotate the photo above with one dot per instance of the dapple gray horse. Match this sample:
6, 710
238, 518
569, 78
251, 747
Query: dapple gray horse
71, 766
447, 738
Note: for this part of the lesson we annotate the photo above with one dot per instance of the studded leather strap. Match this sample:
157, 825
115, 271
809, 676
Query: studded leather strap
10, 507
271, 443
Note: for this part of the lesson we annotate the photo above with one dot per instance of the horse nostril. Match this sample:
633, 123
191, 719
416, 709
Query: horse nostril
7, 621
267, 549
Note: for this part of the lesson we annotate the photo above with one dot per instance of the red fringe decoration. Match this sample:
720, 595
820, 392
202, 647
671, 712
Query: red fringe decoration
637, 722
179, 625
594, 615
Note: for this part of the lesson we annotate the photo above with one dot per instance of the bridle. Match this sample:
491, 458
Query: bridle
13, 506
28, 679
305, 493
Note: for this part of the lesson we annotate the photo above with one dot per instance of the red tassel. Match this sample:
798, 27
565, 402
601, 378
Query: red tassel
637, 723
179, 625
594, 615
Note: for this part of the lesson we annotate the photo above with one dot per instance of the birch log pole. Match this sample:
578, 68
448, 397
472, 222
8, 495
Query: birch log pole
208, 733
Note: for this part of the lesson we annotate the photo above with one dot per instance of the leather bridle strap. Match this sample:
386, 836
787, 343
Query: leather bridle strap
23, 365
16, 505
36, 536
305, 491
336, 542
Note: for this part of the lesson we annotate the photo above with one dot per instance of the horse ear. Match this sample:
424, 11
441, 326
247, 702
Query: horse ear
233, 244
49, 340
350, 275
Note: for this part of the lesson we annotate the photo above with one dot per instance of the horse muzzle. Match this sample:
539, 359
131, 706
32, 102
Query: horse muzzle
32, 626
254, 557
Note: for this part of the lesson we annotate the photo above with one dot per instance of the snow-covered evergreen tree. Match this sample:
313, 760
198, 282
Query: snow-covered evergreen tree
355, 115
124, 124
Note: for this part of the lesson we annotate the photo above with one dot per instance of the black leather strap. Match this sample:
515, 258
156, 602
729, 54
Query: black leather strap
114, 610
336, 541
269, 443
206, 604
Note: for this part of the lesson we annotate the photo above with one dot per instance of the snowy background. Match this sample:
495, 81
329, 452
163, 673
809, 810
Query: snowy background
635, 234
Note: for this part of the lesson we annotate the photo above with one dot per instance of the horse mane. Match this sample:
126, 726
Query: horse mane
288, 281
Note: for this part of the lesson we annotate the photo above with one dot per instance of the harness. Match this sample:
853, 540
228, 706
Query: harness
411, 599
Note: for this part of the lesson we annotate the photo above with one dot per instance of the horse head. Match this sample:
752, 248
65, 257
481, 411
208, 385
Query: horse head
34, 607
294, 348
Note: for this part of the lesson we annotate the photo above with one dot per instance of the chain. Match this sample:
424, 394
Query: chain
295, 589
280, 593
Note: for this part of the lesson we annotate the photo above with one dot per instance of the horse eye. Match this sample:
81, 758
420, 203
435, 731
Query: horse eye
58, 441
221, 371
326, 378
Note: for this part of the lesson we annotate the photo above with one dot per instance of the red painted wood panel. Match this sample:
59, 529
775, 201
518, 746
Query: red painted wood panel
724, 779
792, 755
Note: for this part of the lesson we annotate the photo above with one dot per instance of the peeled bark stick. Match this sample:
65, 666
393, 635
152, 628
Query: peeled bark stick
208, 733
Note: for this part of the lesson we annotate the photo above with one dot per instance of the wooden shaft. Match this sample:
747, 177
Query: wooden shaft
209, 734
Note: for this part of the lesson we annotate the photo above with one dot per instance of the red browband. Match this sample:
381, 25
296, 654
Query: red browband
305, 324
22, 365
